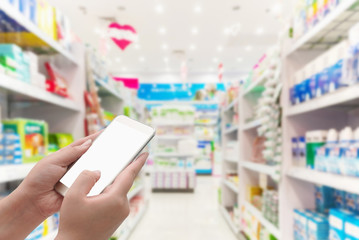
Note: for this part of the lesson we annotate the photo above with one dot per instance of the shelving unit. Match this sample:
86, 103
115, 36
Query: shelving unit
231, 186
252, 125
234, 228
260, 168
10, 173
231, 130
105, 90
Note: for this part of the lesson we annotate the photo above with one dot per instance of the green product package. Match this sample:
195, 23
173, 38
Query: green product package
311, 149
33, 137
58, 141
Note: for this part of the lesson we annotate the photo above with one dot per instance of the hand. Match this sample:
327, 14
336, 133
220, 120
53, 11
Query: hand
35, 199
97, 217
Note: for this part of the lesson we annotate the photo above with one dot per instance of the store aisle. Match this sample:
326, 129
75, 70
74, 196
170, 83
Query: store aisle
179, 216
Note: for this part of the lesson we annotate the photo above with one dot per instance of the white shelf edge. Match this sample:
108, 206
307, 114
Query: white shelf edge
268, 225
231, 105
15, 172
343, 95
50, 236
231, 129
258, 167
229, 221
173, 155
29, 90
135, 222
252, 124
173, 124
231, 186
254, 84
340, 182
181, 102
173, 137
135, 191
31, 27
233, 160
344, 5
110, 90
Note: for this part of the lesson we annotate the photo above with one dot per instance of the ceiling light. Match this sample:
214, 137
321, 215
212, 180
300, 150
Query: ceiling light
276, 9
118, 60
192, 47
166, 60
248, 48
142, 59
215, 60
197, 9
219, 48
259, 31
124, 69
194, 30
239, 59
159, 8
162, 30
164, 46
137, 46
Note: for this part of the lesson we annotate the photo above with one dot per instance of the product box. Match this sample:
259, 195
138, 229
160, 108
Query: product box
33, 137
323, 199
352, 202
318, 228
339, 198
337, 219
351, 228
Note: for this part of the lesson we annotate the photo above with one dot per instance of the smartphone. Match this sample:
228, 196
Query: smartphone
113, 150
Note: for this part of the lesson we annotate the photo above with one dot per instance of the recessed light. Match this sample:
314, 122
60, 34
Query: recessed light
137, 46
192, 47
248, 48
142, 59
165, 60
197, 9
164, 46
239, 59
215, 60
259, 31
194, 30
162, 30
118, 59
159, 8
124, 69
219, 48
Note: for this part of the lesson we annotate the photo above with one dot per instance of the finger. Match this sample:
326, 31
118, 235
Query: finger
124, 181
69, 154
84, 183
82, 140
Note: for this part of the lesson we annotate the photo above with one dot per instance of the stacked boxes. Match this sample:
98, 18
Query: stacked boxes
270, 206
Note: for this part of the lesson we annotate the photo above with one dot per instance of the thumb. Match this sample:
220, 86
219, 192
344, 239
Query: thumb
84, 182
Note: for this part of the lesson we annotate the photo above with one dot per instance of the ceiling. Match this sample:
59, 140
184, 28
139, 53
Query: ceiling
202, 33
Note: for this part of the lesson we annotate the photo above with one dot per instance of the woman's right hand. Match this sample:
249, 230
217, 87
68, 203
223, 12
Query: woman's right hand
97, 217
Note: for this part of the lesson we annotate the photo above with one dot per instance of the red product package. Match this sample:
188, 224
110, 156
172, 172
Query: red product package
56, 83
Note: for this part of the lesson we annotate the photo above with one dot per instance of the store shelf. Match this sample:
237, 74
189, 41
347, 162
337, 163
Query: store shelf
231, 129
253, 124
135, 191
232, 160
340, 182
179, 155
231, 185
228, 219
31, 27
330, 30
107, 90
28, 92
206, 124
254, 84
181, 102
346, 97
260, 168
134, 223
173, 124
268, 225
231, 105
14, 172
173, 137
50, 236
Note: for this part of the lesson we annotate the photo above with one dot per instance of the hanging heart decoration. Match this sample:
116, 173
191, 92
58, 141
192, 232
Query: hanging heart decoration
122, 35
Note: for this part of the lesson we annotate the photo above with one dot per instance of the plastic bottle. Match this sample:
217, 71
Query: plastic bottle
322, 160
350, 162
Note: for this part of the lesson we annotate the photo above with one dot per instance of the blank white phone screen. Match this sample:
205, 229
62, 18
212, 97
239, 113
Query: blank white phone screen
110, 153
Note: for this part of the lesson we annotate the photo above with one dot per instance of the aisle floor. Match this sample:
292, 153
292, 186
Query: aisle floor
185, 216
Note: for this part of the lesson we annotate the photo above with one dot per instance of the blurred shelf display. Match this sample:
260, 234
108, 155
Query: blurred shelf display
253, 124
229, 219
231, 185
14, 172
260, 168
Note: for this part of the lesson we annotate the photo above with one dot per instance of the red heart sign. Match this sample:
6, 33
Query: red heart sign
122, 35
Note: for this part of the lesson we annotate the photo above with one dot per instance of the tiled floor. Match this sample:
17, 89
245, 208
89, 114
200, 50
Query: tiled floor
184, 216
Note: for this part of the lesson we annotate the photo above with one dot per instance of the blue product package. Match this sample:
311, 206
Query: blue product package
337, 219
313, 85
297, 226
9, 150
292, 96
323, 83
349, 164
351, 228
339, 198
335, 76
295, 152
351, 202
37, 233
11, 139
2, 160
318, 228
323, 199
9, 159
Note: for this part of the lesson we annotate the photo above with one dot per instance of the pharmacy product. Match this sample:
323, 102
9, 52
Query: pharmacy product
350, 159
337, 219
351, 228
322, 162
337, 164
323, 199
314, 140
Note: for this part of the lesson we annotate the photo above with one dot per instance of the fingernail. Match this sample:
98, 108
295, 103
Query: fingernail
87, 143
98, 173
144, 155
